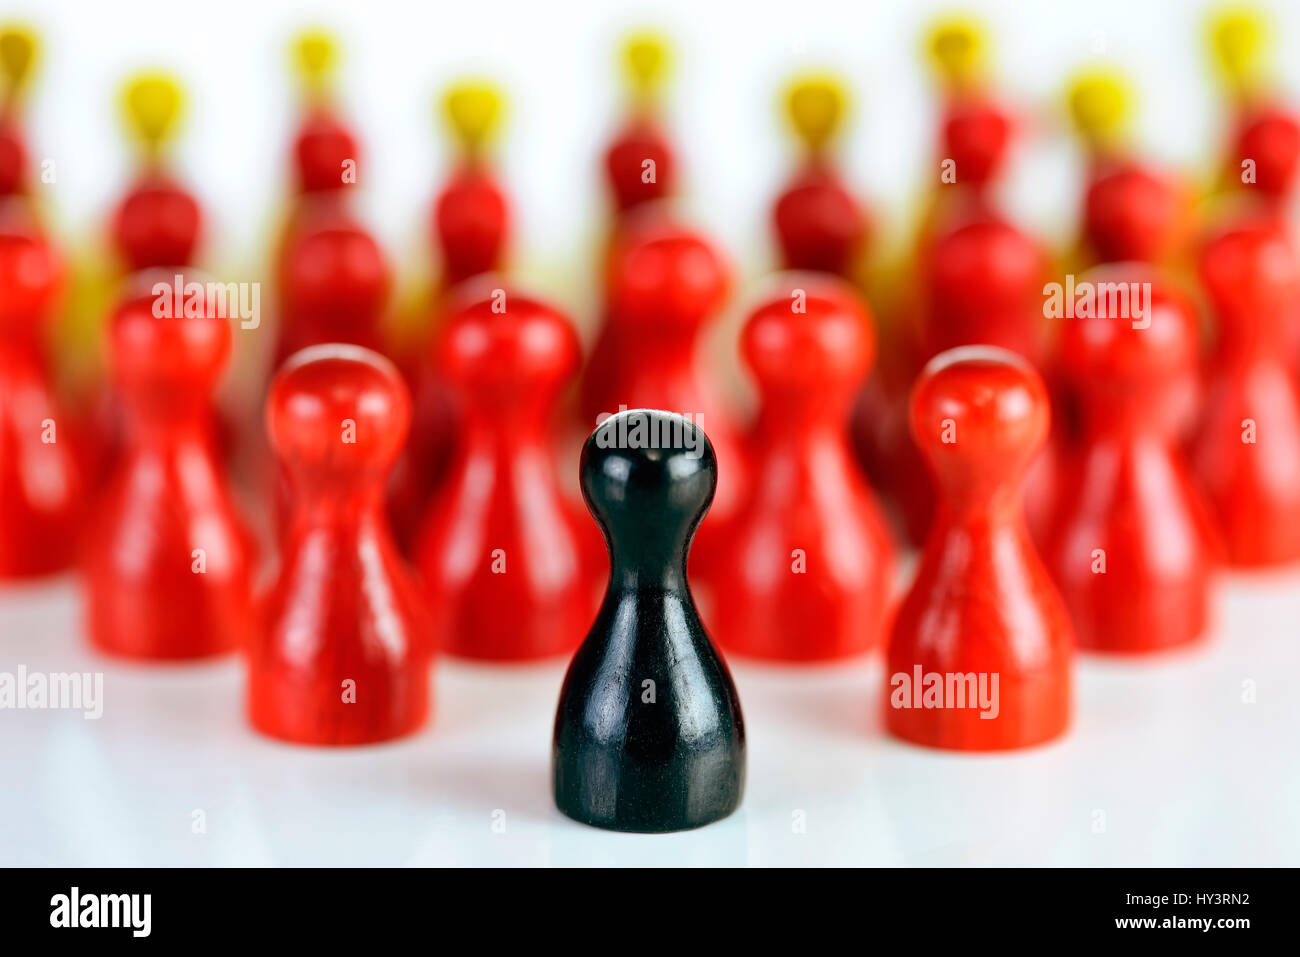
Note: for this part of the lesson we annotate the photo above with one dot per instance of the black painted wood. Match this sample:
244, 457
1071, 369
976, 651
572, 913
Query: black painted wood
648, 735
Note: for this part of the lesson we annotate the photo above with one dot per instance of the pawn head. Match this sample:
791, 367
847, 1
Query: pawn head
165, 347
1101, 107
1251, 273
473, 111
1132, 214
815, 106
1271, 139
639, 149
30, 274
499, 342
324, 151
338, 274
338, 413
158, 224
979, 414
647, 62
1238, 42
19, 51
648, 477
985, 285
471, 222
957, 48
664, 274
315, 59
985, 261
153, 105
812, 337
976, 135
1139, 333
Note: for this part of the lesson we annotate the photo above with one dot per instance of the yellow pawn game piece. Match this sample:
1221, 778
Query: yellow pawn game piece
1101, 105
647, 59
473, 110
18, 52
316, 60
153, 103
957, 48
1239, 45
815, 106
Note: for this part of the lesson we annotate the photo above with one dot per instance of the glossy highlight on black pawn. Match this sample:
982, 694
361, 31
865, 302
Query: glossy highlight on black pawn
648, 734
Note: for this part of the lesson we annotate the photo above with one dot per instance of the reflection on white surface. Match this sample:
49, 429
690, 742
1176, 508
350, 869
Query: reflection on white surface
1166, 764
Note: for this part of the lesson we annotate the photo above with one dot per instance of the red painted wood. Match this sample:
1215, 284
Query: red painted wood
820, 225
169, 562
982, 602
666, 285
803, 570
1247, 450
1131, 213
640, 165
471, 224
512, 567
334, 281
1129, 495
344, 615
41, 481
322, 150
157, 224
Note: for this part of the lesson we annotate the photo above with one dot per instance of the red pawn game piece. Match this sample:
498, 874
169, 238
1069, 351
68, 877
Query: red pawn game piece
471, 215
639, 162
1269, 136
819, 223
975, 129
41, 485
158, 222
334, 283
341, 652
169, 562
471, 226
1264, 155
512, 567
1247, 452
979, 278
983, 282
325, 151
640, 165
980, 653
665, 285
803, 570
1131, 212
984, 286
333, 279
471, 221
976, 134
1131, 544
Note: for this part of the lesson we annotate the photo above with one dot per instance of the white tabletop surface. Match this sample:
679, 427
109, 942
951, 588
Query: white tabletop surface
1188, 759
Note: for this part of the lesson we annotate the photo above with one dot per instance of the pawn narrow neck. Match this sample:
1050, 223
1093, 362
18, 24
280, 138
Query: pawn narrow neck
647, 573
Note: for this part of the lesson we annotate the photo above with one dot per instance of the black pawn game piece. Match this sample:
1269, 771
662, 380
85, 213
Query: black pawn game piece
648, 735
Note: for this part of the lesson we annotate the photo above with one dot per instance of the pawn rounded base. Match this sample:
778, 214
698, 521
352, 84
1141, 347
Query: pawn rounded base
322, 718
682, 806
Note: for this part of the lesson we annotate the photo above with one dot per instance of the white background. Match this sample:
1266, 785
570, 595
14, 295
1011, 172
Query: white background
1165, 757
